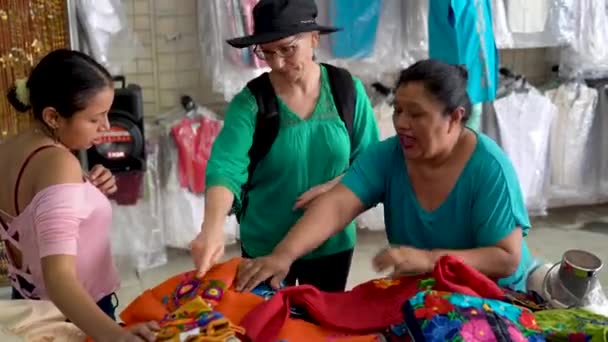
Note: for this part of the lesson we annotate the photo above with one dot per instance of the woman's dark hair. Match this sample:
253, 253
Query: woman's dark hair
65, 80
447, 83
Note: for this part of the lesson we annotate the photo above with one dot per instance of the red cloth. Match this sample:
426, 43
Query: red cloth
452, 275
194, 138
369, 307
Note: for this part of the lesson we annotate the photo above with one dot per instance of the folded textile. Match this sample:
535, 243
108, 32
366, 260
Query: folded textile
436, 316
371, 307
35, 321
216, 291
572, 325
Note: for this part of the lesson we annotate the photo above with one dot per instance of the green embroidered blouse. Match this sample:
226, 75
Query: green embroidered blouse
305, 153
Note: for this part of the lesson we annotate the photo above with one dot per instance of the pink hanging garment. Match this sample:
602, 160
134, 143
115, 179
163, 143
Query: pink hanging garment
194, 138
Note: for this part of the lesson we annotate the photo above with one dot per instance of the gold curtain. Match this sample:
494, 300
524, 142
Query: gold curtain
28, 31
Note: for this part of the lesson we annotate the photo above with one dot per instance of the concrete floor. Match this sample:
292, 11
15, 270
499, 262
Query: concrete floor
561, 230
549, 239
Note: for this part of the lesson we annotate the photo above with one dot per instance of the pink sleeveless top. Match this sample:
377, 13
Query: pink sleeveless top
63, 219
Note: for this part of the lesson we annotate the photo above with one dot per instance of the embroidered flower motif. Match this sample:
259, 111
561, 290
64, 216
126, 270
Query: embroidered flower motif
528, 320
213, 293
441, 328
471, 313
187, 288
433, 305
516, 335
477, 330
386, 283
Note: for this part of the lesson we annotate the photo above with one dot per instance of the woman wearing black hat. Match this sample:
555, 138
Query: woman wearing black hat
315, 142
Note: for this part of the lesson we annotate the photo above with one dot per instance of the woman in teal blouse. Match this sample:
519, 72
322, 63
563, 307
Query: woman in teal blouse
311, 152
445, 189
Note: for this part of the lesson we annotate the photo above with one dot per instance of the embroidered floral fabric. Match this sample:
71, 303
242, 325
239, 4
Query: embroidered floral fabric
186, 308
573, 325
196, 321
441, 316
209, 310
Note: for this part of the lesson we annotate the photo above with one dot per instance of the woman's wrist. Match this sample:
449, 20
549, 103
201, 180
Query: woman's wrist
285, 253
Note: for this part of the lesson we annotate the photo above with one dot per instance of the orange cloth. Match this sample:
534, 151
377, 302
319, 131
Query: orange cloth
154, 304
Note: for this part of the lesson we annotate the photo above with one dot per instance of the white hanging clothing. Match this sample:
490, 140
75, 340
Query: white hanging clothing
527, 16
524, 122
572, 181
502, 33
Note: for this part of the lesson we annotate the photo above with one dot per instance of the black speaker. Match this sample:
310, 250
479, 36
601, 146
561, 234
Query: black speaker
123, 147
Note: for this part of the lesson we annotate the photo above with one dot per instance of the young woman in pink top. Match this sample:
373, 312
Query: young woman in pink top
54, 219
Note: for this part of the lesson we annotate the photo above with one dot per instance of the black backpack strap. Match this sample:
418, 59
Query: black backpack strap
266, 130
343, 90
267, 119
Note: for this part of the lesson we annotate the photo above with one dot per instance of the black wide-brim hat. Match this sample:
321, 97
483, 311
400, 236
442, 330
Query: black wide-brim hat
277, 19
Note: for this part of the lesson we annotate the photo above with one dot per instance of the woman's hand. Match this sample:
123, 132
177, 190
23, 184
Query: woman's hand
144, 332
306, 198
252, 272
404, 261
207, 248
103, 179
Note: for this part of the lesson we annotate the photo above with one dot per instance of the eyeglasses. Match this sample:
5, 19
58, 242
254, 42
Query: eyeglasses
283, 52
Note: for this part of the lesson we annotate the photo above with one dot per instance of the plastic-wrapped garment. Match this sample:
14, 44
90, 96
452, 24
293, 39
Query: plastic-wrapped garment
359, 20
524, 121
461, 32
105, 33
182, 211
538, 23
527, 16
506, 86
502, 33
229, 69
573, 166
371, 43
587, 55
600, 138
138, 236
372, 219
194, 137
416, 33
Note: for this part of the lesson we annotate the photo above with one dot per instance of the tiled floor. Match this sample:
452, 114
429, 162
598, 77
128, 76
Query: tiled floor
550, 237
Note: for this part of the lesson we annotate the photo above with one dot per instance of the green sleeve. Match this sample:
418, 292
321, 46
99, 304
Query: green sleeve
365, 128
366, 178
499, 206
229, 158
